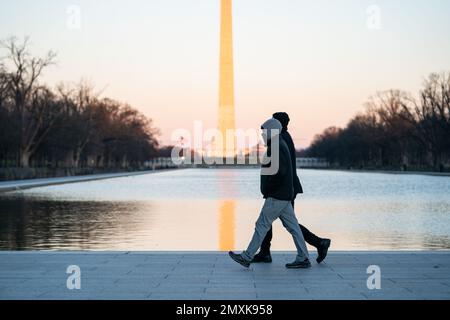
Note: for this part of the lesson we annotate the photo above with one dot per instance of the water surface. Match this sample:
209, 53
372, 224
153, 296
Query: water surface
210, 209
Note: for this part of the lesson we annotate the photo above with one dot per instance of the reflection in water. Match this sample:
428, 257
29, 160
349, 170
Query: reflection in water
227, 209
43, 224
227, 219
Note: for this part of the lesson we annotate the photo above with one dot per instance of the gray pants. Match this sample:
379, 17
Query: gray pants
272, 210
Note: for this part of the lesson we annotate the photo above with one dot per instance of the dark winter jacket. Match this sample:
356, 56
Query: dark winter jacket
290, 144
280, 185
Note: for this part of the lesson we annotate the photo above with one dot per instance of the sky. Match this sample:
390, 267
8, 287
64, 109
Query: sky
318, 60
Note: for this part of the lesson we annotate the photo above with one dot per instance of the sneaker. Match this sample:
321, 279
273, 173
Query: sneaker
305, 264
239, 259
262, 258
322, 250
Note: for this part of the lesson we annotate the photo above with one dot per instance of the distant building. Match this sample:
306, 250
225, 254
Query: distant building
312, 163
161, 163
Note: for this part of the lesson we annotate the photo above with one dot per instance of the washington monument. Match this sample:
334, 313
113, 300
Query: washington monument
227, 147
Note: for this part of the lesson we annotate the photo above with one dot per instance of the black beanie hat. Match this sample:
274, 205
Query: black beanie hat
283, 117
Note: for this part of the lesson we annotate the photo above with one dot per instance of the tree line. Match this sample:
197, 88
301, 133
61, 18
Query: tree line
69, 126
396, 131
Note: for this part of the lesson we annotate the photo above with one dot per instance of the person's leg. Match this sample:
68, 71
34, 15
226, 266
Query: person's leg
291, 224
265, 246
309, 237
269, 213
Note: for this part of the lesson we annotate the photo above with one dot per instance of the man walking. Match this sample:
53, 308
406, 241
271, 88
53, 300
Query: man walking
320, 244
278, 192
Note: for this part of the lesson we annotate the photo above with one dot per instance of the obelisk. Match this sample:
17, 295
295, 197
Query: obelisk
226, 81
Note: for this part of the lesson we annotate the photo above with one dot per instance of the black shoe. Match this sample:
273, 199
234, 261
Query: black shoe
322, 250
262, 258
239, 259
305, 264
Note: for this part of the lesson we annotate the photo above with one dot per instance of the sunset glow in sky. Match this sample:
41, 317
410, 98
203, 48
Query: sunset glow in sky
317, 60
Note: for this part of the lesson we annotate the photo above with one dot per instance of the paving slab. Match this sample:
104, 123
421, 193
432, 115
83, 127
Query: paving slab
41, 275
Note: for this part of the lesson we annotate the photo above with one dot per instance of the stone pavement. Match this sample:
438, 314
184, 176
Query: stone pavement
213, 275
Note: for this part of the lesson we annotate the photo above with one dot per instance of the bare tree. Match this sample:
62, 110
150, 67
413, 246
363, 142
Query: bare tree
394, 123
430, 116
396, 131
79, 104
26, 94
